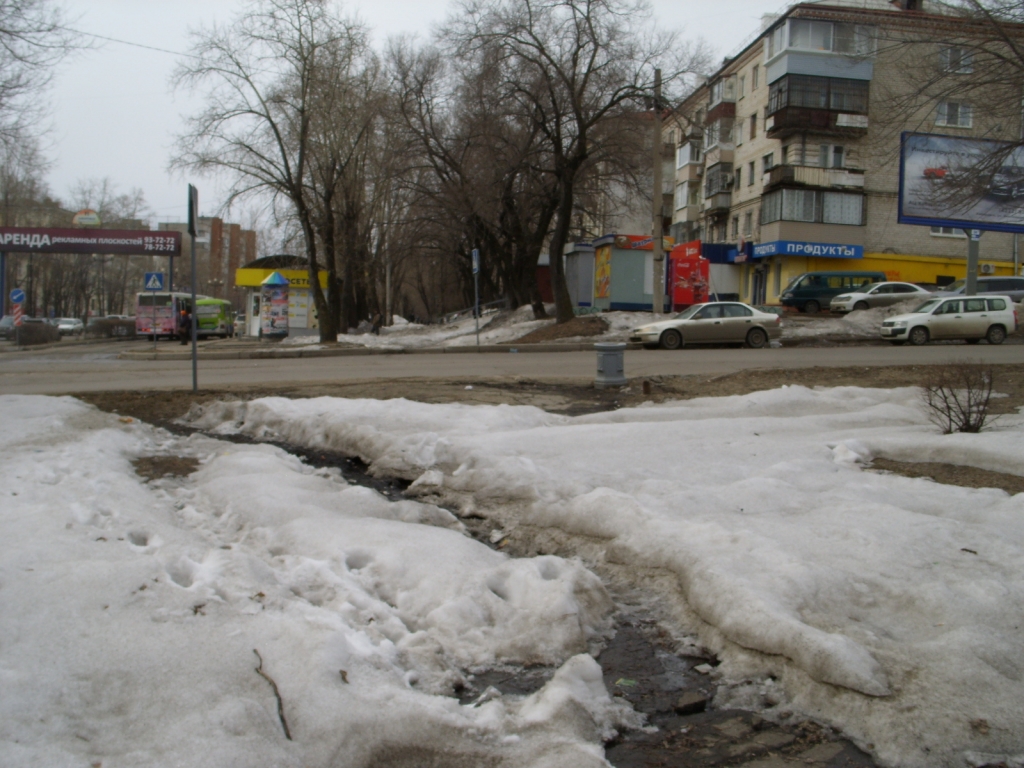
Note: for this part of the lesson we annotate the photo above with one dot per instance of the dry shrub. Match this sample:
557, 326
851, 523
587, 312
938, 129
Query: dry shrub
30, 334
957, 396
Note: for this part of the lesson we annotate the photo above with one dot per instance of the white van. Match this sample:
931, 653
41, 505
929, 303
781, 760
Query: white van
971, 318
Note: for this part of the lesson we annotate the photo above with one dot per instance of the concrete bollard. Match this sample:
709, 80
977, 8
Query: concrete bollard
610, 367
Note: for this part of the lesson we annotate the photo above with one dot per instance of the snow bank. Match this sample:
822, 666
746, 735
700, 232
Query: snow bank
131, 613
887, 605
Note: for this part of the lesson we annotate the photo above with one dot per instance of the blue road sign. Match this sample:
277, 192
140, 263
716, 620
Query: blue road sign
17, 296
154, 281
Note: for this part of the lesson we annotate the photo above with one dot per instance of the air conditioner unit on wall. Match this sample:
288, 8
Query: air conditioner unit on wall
988, 269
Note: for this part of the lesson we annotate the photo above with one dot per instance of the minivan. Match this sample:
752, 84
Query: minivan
1004, 286
811, 291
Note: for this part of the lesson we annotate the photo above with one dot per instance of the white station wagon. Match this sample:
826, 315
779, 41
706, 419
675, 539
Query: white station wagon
971, 318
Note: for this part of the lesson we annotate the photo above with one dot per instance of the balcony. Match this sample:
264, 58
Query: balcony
813, 176
718, 203
824, 122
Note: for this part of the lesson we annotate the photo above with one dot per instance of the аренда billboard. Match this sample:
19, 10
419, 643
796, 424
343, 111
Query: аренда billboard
948, 181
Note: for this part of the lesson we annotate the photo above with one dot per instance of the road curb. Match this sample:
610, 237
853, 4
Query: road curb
288, 354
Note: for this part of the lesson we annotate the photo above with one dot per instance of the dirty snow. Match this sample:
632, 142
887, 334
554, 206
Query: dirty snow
133, 611
887, 606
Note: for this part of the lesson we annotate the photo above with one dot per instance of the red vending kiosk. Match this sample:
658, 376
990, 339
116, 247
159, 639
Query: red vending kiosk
688, 273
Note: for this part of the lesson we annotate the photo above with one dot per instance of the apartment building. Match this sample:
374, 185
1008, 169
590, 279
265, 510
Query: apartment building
221, 248
787, 159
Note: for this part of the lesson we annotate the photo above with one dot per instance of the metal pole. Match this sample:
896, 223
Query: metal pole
1016, 255
193, 215
476, 292
973, 248
3, 283
658, 264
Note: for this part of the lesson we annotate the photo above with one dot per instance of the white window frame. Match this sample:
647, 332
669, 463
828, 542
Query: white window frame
964, 60
963, 110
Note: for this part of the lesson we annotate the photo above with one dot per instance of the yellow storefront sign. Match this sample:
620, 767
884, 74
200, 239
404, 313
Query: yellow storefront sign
297, 278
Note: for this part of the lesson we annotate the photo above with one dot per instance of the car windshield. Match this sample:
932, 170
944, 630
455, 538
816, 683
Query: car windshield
689, 312
955, 286
927, 306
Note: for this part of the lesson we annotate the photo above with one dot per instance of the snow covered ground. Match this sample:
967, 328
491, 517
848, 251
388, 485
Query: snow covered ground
887, 606
132, 614
841, 593
506, 327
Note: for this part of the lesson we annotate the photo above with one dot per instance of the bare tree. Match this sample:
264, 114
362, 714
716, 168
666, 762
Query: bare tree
276, 80
33, 39
573, 67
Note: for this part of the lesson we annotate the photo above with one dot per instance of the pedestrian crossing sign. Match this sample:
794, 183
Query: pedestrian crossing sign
154, 281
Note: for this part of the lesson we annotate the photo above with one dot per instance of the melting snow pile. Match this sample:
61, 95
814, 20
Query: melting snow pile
132, 614
888, 606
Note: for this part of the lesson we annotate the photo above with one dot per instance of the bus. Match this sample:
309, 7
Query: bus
215, 318
156, 312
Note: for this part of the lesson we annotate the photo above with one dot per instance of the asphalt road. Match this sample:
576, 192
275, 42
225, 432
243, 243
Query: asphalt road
97, 368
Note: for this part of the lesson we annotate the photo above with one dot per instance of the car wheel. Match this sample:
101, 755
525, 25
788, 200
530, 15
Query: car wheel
996, 334
671, 340
918, 336
812, 307
861, 305
757, 338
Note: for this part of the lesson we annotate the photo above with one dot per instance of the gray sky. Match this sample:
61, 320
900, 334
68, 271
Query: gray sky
114, 114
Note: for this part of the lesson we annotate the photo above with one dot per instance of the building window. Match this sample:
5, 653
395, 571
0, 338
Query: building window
718, 179
742, 86
718, 132
814, 206
753, 77
735, 226
753, 126
680, 195
807, 35
811, 92
748, 223
750, 173
948, 232
767, 162
687, 153
723, 90
953, 114
957, 60
830, 156
784, 155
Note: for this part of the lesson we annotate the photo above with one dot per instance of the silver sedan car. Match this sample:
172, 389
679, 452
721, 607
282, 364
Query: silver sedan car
878, 295
717, 322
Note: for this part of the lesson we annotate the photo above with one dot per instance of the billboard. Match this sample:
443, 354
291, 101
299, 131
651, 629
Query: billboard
949, 181
140, 242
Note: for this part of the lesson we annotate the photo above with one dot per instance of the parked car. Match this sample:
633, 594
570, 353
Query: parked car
716, 322
878, 295
70, 326
972, 319
7, 329
1001, 286
811, 291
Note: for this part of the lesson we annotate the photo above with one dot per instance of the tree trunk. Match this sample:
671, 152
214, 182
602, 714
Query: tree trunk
563, 221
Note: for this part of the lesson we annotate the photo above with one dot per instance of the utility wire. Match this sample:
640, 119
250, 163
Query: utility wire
127, 42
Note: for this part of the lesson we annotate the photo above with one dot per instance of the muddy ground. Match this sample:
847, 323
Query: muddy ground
641, 663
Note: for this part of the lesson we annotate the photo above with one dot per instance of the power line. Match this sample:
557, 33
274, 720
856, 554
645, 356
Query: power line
128, 42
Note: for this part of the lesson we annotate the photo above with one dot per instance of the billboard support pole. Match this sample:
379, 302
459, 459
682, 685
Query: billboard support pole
973, 248
3, 283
